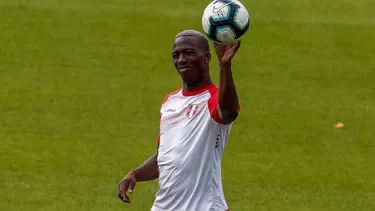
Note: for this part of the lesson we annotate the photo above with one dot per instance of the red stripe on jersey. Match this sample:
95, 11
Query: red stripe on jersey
213, 103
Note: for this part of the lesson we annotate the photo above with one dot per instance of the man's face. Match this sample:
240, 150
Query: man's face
189, 59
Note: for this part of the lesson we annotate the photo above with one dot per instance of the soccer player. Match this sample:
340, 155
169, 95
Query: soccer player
195, 122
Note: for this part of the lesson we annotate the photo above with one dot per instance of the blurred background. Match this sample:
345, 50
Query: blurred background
81, 84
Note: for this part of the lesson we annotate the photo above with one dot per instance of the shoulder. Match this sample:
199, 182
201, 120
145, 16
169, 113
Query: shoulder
169, 95
214, 90
214, 94
213, 106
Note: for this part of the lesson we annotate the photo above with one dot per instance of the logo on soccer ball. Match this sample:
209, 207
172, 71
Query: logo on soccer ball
218, 10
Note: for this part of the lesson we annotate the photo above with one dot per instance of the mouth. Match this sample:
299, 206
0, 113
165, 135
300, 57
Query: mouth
184, 69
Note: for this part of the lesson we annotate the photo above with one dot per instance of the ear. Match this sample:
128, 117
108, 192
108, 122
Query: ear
207, 57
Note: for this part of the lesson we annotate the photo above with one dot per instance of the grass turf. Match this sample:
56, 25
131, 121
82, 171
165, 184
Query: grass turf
82, 81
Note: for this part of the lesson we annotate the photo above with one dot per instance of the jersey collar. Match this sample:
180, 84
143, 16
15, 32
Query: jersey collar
199, 91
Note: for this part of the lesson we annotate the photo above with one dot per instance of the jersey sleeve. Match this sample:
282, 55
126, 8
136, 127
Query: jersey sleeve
158, 138
164, 100
213, 106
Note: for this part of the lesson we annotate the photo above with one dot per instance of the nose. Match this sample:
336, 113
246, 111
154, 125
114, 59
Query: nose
181, 60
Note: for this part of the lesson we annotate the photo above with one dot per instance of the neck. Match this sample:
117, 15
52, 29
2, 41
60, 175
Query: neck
197, 86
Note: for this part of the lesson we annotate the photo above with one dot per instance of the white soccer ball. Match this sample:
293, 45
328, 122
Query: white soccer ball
225, 21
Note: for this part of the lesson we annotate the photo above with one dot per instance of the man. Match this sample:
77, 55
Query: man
195, 123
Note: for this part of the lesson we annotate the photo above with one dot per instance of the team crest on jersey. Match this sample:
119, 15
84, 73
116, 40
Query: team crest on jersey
193, 110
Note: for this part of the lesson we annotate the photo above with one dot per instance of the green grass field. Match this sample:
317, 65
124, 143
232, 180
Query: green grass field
81, 82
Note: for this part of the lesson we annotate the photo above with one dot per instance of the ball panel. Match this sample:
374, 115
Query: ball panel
212, 33
241, 33
206, 24
241, 18
225, 34
215, 25
233, 11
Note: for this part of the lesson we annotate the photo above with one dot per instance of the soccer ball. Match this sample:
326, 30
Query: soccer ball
225, 21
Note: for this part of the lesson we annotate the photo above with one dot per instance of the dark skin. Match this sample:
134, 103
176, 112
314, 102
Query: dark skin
191, 59
228, 98
146, 172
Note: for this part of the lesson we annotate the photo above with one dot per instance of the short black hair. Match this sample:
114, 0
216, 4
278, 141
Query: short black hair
198, 35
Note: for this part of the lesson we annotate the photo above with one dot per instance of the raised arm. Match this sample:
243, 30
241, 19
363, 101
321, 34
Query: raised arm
228, 100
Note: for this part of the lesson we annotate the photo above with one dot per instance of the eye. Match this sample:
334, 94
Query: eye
189, 53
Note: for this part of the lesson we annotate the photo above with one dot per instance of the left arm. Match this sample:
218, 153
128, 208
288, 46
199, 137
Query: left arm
228, 98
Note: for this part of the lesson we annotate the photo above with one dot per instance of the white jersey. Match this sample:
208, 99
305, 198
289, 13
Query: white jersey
191, 143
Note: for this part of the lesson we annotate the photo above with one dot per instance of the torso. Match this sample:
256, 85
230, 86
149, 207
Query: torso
191, 143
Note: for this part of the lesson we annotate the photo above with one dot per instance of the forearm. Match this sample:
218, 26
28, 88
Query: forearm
228, 98
148, 170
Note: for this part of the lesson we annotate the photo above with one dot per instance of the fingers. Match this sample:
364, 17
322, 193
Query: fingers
238, 44
129, 189
126, 199
122, 189
235, 45
217, 46
234, 48
126, 186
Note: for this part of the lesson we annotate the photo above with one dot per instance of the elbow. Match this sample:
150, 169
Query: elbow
229, 116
